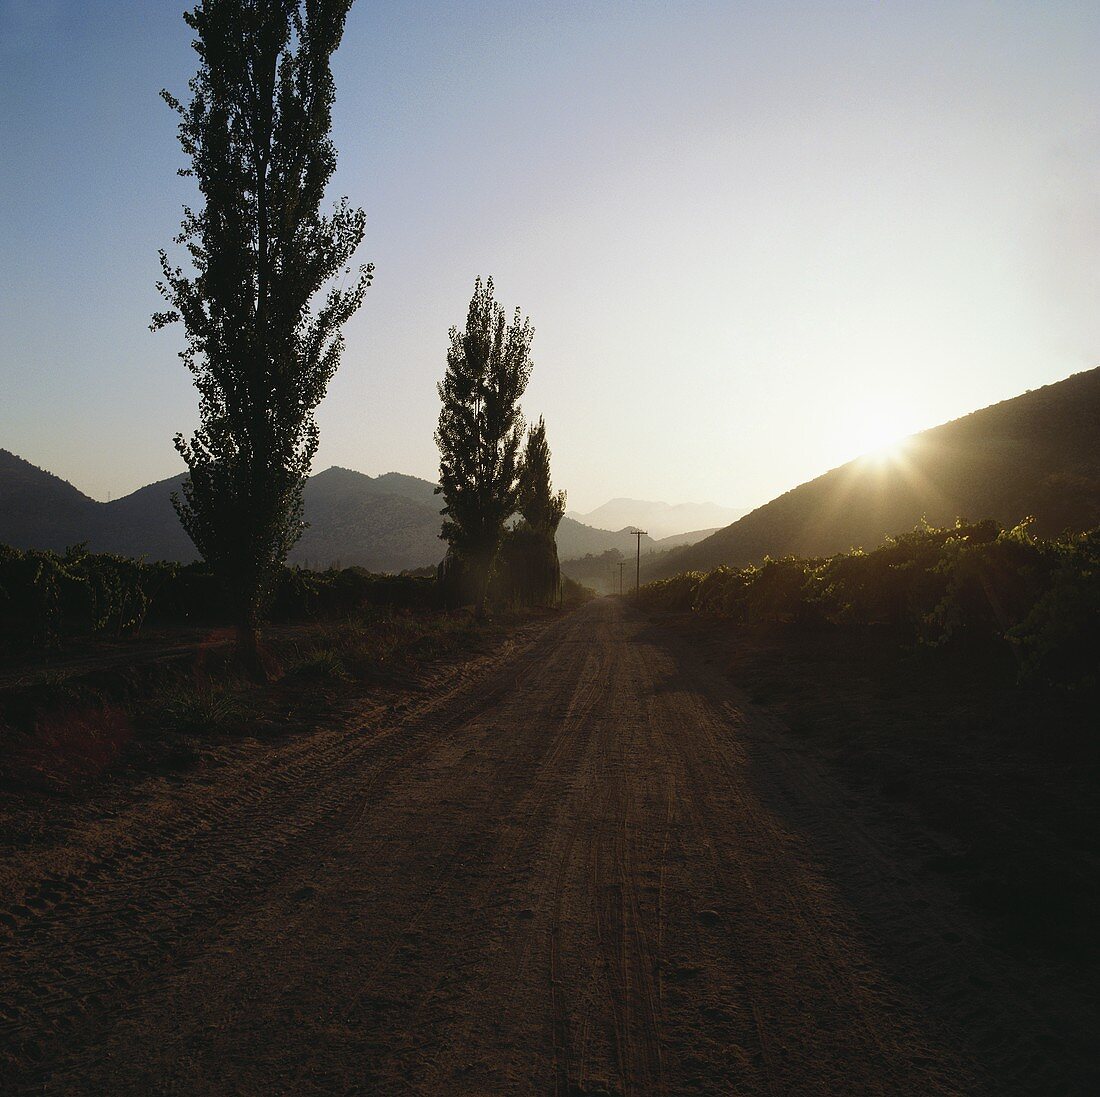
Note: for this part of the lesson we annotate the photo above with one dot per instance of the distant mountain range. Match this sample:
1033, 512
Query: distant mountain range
1037, 454
384, 523
661, 520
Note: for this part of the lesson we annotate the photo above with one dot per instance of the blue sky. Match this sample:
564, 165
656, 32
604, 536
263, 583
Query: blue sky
754, 239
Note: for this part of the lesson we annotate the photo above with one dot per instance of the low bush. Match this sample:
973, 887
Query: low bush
203, 709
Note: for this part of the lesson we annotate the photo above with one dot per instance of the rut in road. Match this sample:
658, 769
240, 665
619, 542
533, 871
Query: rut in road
589, 869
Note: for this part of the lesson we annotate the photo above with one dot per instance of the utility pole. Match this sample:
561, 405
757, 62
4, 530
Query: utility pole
622, 564
639, 533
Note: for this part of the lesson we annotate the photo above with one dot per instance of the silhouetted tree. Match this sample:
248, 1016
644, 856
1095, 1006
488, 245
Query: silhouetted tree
533, 554
261, 346
480, 429
539, 504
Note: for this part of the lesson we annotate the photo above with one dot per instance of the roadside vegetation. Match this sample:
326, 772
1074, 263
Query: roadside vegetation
972, 587
115, 668
50, 600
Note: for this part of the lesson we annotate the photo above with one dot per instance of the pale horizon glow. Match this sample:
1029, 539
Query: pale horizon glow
756, 240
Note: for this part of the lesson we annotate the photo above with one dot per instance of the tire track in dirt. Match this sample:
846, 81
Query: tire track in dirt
164, 882
426, 887
590, 870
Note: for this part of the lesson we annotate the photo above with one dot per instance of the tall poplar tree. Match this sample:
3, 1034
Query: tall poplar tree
541, 506
531, 552
479, 435
263, 333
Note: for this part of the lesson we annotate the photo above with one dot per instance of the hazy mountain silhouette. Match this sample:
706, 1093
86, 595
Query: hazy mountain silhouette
143, 523
410, 487
690, 538
1036, 454
575, 539
384, 523
660, 520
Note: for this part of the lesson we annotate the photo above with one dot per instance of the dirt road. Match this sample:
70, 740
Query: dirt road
591, 869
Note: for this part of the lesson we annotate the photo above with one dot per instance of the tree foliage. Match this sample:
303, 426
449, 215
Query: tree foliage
480, 431
529, 553
263, 340
541, 506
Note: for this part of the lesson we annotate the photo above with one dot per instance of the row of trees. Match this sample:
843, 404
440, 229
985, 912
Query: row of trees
484, 477
268, 288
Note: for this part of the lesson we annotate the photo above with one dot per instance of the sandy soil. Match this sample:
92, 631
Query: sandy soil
591, 867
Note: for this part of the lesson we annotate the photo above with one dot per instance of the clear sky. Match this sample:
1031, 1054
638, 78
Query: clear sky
755, 239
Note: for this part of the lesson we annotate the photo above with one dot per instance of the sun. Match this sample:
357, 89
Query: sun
879, 434
886, 445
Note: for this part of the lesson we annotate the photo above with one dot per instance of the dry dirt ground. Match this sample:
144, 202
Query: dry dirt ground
590, 867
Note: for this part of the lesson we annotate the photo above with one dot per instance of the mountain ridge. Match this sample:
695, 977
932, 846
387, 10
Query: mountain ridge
389, 522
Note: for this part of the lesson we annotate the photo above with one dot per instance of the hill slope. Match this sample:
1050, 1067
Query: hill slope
675, 540
1036, 454
575, 539
143, 523
354, 519
38, 508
